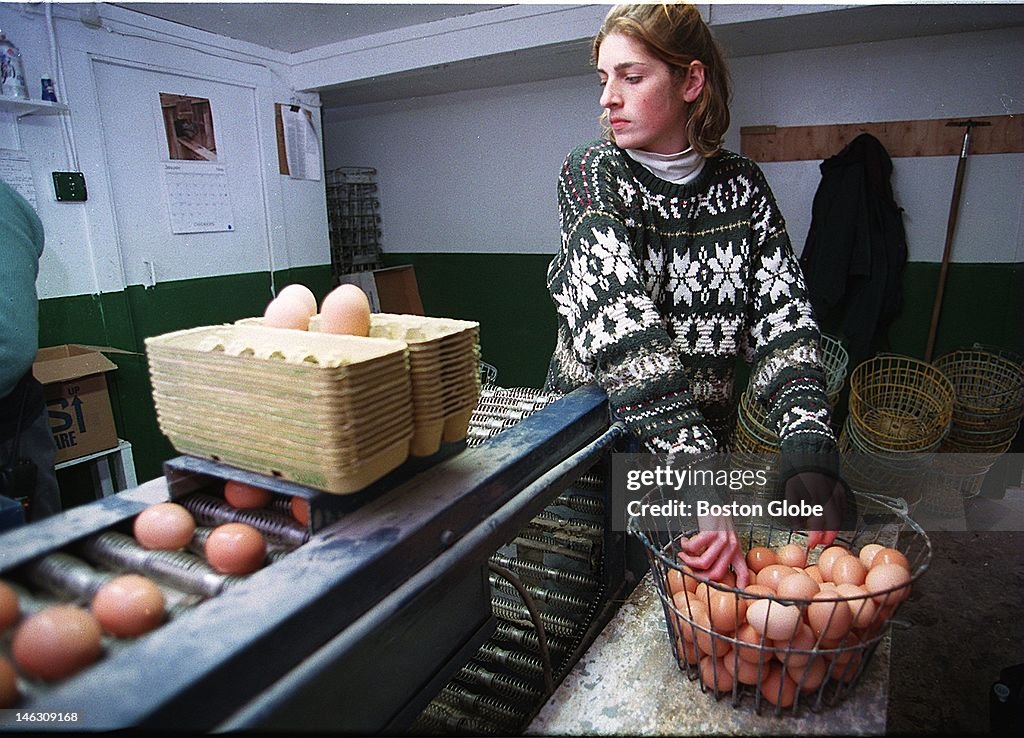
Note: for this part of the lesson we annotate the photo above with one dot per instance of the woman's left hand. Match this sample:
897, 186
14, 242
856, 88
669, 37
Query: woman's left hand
714, 549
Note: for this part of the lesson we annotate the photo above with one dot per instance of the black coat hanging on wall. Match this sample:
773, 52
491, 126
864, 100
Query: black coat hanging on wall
856, 247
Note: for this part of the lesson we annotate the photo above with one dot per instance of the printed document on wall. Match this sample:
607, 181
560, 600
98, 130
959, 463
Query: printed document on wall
302, 145
198, 197
16, 170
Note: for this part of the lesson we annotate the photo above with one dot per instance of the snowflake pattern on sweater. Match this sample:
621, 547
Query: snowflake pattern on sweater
659, 287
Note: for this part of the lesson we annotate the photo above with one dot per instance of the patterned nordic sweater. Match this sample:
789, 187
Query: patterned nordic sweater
659, 287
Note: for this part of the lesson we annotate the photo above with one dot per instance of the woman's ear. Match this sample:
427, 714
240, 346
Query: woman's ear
693, 85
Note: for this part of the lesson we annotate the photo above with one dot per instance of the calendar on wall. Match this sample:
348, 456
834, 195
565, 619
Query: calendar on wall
198, 197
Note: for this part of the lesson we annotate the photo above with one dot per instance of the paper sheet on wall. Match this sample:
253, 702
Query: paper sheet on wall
16, 170
301, 143
198, 197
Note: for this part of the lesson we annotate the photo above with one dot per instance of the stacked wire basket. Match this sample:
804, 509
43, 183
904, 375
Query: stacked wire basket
900, 411
754, 441
354, 222
988, 404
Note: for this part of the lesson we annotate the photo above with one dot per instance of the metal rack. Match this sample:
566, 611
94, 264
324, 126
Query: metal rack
552, 584
353, 215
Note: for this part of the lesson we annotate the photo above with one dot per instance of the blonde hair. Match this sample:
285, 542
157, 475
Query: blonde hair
677, 35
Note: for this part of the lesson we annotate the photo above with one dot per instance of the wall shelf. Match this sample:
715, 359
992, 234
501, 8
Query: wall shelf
22, 108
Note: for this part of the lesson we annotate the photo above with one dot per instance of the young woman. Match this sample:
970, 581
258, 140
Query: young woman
675, 260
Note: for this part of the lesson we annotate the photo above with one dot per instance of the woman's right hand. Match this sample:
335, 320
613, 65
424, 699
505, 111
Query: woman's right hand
713, 550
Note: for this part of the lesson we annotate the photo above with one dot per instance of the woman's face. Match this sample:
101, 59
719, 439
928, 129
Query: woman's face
647, 104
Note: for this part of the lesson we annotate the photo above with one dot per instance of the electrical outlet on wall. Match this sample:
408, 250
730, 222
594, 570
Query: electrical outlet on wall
69, 187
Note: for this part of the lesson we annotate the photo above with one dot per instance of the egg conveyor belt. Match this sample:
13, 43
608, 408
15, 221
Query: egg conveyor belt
337, 606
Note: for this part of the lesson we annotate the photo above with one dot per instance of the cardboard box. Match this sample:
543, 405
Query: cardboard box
390, 290
74, 380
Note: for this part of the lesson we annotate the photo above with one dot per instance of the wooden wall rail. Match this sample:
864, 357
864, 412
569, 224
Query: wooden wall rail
900, 138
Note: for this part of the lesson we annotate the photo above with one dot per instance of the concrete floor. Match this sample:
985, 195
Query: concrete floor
966, 623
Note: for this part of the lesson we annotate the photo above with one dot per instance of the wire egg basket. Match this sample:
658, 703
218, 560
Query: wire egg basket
900, 404
800, 669
835, 359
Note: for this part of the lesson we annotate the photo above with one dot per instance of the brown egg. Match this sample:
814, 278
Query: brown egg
796, 649
825, 561
128, 606
797, 586
759, 557
244, 496
752, 653
700, 631
792, 555
346, 310
714, 674
848, 570
778, 687
688, 651
8, 684
759, 590
691, 609
884, 577
283, 312
727, 611
808, 676
235, 548
771, 575
890, 556
300, 294
300, 510
166, 526
829, 619
867, 553
56, 642
814, 573
675, 582
743, 671
773, 619
861, 605
10, 610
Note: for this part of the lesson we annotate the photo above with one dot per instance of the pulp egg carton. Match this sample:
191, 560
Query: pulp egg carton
326, 411
444, 369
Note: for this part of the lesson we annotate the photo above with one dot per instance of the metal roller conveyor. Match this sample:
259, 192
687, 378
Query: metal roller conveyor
548, 596
562, 576
390, 587
276, 526
180, 569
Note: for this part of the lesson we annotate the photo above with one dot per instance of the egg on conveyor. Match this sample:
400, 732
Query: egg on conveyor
346, 310
165, 526
10, 611
128, 605
56, 642
8, 684
243, 496
235, 548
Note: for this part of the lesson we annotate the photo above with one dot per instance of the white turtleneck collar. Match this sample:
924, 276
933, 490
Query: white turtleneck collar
678, 168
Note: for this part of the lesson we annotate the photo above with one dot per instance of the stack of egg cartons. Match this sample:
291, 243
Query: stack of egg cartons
444, 366
327, 411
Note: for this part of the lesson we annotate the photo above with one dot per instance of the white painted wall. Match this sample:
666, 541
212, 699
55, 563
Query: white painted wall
112, 78
476, 171
954, 76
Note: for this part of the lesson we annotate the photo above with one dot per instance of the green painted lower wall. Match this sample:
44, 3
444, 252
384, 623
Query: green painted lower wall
506, 293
